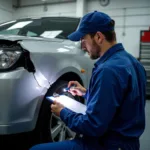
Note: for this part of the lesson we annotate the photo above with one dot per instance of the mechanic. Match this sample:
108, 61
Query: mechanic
115, 116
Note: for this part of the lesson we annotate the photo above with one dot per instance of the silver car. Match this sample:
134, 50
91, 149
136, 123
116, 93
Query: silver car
37, 60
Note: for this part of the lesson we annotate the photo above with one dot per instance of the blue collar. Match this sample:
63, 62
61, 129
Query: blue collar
109, 53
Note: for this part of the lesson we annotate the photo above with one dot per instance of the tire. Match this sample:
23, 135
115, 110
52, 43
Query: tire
50, 128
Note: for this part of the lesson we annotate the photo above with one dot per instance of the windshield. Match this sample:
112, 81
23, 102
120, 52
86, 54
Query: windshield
48, 27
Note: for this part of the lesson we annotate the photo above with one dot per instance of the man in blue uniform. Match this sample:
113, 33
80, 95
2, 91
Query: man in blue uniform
115, 116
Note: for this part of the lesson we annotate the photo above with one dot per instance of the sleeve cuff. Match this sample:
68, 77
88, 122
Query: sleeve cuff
85, 95
64, 113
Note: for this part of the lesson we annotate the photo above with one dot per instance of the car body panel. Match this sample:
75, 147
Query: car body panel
57, 59
18, 112
22, 92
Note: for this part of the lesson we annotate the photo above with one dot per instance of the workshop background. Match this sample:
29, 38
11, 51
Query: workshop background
132, 20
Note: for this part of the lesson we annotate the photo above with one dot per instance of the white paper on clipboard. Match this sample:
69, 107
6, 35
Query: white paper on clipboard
69, 103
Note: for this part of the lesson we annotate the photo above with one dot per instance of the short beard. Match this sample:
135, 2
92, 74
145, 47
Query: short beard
93, 57
97, 51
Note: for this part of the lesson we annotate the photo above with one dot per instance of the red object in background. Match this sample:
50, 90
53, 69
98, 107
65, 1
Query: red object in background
145, 37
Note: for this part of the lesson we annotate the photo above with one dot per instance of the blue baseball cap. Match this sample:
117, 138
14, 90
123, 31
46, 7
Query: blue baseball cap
91, 23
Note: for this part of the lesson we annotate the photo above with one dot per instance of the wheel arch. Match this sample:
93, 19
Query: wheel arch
71, 76
45, 106
68, 74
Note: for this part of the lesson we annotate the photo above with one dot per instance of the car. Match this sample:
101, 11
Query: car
36, 61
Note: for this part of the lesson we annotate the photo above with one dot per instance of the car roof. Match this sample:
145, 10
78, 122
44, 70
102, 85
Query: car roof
51, 17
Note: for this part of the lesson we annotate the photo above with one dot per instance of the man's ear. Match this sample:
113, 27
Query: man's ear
99, 37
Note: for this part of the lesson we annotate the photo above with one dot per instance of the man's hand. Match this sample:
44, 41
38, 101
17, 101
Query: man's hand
56, 108
77, 90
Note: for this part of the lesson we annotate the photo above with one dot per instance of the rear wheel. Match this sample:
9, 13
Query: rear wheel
49, 127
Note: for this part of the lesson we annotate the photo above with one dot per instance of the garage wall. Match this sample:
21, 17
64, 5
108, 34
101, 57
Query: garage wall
131, 16
6, 10
35, 8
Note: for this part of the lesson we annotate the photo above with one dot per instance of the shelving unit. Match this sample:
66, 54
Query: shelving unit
145, 56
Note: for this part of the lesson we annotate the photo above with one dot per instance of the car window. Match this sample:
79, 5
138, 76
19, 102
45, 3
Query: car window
49, 27
10, 32
13, 27
60, 27
29, 33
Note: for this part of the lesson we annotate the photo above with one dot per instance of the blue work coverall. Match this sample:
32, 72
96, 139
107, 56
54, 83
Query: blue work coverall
115, 116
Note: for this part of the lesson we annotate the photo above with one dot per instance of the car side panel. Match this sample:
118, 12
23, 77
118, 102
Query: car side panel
54, 59
20, 108
21, 97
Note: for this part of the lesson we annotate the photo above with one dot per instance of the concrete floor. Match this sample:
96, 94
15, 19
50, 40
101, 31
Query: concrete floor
145, 138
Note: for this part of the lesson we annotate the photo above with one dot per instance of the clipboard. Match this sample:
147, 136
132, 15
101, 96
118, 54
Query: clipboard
69, 103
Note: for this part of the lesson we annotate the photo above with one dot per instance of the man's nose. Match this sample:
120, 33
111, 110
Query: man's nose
83, 46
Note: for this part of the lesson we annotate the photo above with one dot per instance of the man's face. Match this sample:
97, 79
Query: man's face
90, 46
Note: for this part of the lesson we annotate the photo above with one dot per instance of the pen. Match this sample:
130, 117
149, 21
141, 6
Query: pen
68, 88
